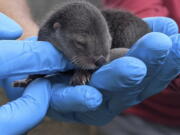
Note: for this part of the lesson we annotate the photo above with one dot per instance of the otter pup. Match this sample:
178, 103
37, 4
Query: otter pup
89, 37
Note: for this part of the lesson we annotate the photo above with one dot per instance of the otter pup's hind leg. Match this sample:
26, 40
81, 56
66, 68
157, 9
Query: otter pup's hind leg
25, 82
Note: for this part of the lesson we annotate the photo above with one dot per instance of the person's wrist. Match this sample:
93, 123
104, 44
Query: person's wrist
29, 30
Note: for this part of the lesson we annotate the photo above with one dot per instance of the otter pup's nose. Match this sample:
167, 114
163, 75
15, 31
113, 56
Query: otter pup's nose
100, 61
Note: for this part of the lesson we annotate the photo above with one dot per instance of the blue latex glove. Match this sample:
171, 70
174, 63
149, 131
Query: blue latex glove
29, 106
9, 29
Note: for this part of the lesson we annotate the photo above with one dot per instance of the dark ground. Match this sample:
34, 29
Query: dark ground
39, 9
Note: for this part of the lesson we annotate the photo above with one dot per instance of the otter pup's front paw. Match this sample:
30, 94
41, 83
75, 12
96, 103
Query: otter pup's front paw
80, 77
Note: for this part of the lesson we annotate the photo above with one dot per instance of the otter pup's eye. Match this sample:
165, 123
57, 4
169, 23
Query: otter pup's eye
80, 45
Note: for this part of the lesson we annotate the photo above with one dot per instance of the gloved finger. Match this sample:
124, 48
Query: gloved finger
152, 49
162, 24
9, 29
20, 115
77, 99
119, 75
168, 71
67, 98
30, 57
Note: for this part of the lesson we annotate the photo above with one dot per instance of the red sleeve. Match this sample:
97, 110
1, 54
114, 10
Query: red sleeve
174, 9
142, 8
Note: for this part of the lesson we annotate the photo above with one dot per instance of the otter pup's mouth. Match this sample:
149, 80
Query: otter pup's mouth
88, 63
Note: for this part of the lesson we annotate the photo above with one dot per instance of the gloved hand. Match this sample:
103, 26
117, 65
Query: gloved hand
147, 69
123, 89
20, 58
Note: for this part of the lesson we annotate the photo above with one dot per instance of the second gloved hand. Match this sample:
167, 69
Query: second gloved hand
147, 69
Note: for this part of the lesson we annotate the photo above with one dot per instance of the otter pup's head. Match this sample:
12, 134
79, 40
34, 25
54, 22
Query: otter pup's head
80, 32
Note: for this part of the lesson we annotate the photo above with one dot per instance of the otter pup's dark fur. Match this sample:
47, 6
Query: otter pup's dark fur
88, 36
125, 28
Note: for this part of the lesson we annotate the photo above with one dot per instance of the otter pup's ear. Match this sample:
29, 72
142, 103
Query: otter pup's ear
56, 25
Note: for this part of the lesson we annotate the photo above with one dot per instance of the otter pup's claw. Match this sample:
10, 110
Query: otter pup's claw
80, 77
